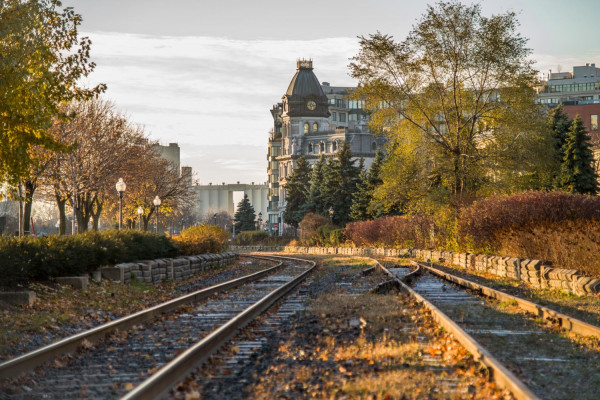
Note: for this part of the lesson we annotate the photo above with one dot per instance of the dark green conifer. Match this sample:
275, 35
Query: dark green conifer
363, 205
340, 180
297, 192
577, 169
245, 215
315, 196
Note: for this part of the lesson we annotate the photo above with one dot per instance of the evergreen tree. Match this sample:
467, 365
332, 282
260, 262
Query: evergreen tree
559, 124
577, 169
339, 181
297, 192
245, 215
315, 194
363, 204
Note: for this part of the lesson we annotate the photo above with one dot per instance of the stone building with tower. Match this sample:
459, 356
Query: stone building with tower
313, 119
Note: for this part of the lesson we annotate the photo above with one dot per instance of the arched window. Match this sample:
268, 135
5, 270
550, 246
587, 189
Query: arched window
373, 146
306, 127
322, 147
315, 127
310, 148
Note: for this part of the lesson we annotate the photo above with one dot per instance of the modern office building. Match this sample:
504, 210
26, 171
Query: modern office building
313, 119
579, 93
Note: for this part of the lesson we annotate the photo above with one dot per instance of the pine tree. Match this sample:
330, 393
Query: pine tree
315, 194
559, 124
362, 198
577, 169
363, 204
297, 192
245, 215
339, 180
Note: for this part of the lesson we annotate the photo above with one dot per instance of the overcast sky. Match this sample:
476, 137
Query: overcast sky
204, 73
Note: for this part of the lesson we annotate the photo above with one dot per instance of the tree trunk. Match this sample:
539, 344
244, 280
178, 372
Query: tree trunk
29, 187
62, 214
96, 213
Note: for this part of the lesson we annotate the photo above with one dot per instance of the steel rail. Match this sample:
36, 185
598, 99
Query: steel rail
28, 361
176, 370
564, 321
498, 373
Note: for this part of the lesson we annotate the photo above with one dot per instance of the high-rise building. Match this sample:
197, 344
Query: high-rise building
313, 119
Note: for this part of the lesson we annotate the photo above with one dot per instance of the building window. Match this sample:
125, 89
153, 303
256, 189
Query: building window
594, 122
315, 127
334, 116
322, 147
306, 127
333, 146
342, 117
373, 146
310, 148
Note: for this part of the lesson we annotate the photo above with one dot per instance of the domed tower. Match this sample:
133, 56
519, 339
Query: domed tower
305, 109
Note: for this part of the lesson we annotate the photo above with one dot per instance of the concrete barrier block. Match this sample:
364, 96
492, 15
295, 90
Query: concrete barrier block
563, 274
532, 265
26, 297
77, 282
113, 273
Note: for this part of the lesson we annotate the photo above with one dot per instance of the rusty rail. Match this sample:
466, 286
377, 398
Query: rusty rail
28, 361
497, 372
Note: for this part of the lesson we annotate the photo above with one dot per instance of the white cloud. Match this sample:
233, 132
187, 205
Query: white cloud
210, 91
206, 92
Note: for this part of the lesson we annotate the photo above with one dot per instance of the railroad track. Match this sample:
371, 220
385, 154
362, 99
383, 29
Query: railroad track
509, 335
144, 354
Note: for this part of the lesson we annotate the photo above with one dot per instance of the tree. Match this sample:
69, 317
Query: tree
297, 192
559, 123
340, 178
245, 215
315, 202
460, 86
41, 67
577, 170
363, 204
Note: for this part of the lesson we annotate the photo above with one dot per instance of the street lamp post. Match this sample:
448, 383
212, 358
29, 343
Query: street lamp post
215, 219
259, 220
140, 211
156, 203
331, 215
233, 223
121, 186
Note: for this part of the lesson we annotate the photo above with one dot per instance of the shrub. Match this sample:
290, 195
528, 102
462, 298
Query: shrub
329, 236
308, 228
201, 239
45, 257
396, 231
566, 244
249, 238
484, 220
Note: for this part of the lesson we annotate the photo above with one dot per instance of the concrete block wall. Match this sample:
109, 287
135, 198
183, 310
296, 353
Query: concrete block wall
531, 272
159, 270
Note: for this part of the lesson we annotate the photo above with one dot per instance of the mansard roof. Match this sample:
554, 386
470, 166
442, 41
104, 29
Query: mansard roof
305, 83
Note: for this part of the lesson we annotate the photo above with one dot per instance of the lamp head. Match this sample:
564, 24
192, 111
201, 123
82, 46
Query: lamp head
156, 201
121, 186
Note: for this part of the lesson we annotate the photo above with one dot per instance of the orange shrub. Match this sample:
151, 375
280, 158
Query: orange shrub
201, 239
482, 222
396, 231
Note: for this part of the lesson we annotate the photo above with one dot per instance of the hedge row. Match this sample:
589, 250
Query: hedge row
26, 259
558, 227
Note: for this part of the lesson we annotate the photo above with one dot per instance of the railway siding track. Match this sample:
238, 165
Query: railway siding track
548, 364
152, 344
